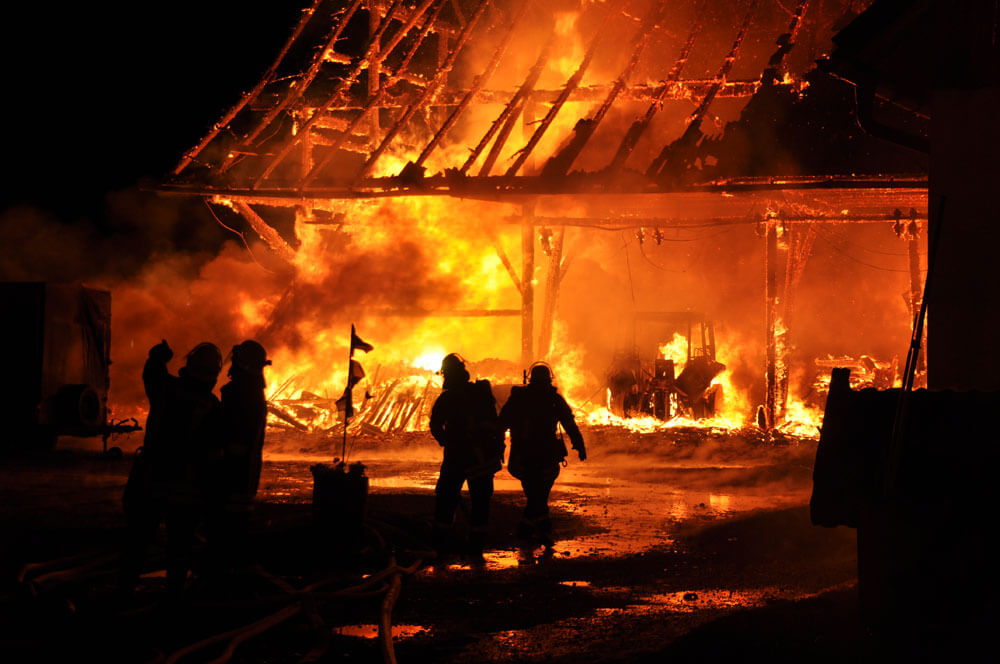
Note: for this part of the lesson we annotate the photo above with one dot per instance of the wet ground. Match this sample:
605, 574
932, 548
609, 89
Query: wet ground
685, 545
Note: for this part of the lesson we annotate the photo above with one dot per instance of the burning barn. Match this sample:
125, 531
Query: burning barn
516, 180
699, 213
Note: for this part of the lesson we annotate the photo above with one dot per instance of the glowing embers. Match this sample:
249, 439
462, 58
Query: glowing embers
702, 599
371, 631
494, 560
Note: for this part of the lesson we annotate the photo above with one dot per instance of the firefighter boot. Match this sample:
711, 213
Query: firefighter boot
477, 538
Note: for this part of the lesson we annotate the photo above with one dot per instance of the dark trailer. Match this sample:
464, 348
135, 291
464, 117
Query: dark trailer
57, 339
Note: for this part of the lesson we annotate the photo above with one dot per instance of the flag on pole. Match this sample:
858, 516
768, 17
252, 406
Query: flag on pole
357, 343
355, 372
346, 402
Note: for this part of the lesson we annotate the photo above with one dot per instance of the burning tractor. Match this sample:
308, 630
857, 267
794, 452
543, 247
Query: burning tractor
647, 384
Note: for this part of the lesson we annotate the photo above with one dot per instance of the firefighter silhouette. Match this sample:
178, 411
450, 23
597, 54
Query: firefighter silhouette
234, 486
168, 480
532, 414
464, 422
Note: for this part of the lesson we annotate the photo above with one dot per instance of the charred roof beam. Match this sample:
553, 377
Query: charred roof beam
669, 85
249, 97
373, 101
785, 42
676, 155
571, 84
298, 86
511, 112
680, 90
372, 47
429, 92
559, 165
416, 168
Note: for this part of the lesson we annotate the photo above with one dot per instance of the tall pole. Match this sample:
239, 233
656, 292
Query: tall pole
915, 295
770, 306
552, 280
349, 405
350, 397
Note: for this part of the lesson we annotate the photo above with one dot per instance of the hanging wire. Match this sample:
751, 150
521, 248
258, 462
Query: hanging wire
628, 266
242, 237
845, 240
856, 260
695, 260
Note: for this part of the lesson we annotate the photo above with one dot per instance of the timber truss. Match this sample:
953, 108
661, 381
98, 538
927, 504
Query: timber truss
371, 98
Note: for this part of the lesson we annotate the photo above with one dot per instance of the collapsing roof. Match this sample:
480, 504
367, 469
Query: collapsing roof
376, 98
613, 115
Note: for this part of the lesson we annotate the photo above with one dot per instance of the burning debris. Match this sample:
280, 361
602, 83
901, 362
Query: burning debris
865, 372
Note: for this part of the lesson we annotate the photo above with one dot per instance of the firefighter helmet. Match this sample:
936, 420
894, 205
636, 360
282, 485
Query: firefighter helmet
204, 362
540, 373
250, 356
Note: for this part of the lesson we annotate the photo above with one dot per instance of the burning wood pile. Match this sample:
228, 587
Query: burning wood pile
393, 406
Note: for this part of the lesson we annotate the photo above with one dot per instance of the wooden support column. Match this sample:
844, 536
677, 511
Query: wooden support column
552, 282
304, 214
783, 350
527, 287
770, 312
799, 239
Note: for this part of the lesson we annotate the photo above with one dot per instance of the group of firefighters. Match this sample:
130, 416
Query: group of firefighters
201, 457
465, 423
200, 460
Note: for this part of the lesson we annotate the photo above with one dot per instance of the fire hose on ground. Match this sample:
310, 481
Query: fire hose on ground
305, 601
45, 576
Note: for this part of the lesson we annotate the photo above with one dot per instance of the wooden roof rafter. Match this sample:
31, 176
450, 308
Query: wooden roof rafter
297, 87
348, 130
330, 105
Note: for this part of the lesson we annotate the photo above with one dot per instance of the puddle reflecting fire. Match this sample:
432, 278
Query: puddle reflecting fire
371, 631
628, 504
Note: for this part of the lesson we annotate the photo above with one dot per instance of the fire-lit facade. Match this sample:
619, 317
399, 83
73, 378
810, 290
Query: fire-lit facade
522, 180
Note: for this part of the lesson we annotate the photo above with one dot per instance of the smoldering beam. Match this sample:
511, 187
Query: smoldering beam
445, 313
622, 223
373, 103
266, 232
906, 191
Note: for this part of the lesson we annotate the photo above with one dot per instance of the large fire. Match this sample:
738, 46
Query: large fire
423, 276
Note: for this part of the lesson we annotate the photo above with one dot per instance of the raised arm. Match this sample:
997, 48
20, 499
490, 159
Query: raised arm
154, 373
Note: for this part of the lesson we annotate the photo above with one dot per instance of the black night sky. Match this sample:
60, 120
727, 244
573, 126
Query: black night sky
102, 96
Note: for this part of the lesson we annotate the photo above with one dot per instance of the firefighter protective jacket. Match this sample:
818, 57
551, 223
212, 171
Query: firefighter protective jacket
532, 413
464, 422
